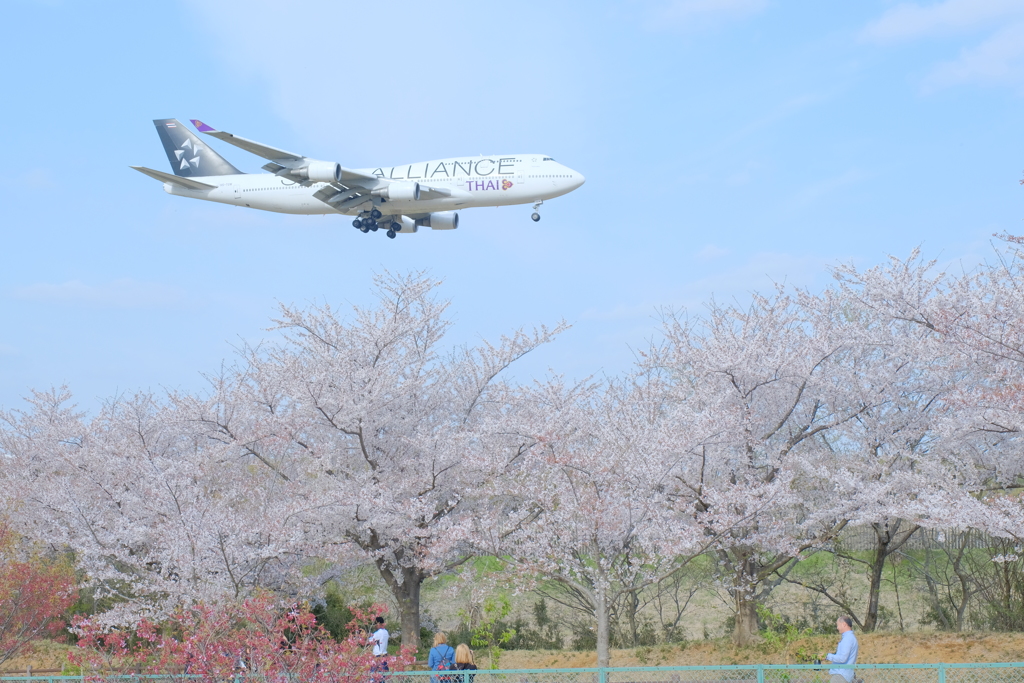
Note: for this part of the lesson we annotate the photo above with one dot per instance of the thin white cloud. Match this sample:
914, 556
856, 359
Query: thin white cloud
700, 13
35, 178
762, 121
757, 274
909, 21
734, 282
712, 252
354, 95
997, 60
38, 178
124, 293
822, 188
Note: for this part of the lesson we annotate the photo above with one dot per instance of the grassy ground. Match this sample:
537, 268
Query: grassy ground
875, 648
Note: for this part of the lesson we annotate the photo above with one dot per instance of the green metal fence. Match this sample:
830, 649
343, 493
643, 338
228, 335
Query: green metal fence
1009, 672
754, 673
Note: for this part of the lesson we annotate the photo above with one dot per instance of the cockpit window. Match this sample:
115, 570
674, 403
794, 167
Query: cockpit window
548, 159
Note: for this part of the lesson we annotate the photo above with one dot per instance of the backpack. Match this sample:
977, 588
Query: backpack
445, 665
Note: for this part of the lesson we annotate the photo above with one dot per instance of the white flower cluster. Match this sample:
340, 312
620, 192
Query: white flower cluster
755, 434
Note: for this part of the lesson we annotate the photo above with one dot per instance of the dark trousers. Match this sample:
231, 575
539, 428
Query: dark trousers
380, 664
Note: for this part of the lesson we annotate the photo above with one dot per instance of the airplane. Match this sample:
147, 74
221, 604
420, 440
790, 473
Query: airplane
397, 199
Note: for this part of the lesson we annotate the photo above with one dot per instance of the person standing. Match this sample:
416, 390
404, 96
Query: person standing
464, 662
379, 638
441, 657
846, 652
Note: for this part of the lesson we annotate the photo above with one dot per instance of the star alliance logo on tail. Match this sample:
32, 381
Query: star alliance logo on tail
192, 149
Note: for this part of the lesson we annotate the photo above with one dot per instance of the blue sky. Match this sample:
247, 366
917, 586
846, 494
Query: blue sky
727, 144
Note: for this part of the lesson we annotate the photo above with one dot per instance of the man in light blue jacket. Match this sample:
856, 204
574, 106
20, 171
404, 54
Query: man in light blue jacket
846, 652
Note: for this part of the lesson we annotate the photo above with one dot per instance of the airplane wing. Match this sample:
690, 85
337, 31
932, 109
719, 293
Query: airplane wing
351, 191
256, 148
180, 181
282, 160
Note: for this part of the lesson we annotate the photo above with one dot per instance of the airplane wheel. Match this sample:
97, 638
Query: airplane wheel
374, 227
375, 214
367, 222
357, 223
364, 229
535, 217
391, 234
397, 227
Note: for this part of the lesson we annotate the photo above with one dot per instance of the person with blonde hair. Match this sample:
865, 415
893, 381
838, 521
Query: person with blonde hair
464, 660
441, 657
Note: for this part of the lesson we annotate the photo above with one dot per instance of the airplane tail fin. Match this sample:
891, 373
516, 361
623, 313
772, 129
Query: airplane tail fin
189, 156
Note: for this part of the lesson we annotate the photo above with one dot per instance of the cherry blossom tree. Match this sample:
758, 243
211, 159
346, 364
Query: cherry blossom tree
587, 504
754, 433
889, 452
157, 515
904, 375
773, 380
350, 433
388, 433
827, 414
974, 320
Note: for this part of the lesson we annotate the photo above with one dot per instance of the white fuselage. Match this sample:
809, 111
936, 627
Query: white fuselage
473, 182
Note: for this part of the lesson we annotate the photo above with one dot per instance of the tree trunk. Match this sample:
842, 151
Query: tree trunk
886, 543
407, 594
745, 632
632, 603
934, 593
875, 577
601, 609
965, 577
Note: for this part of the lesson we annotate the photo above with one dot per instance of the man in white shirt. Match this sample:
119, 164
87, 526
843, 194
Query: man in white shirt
846, 652
380, 649
379, 638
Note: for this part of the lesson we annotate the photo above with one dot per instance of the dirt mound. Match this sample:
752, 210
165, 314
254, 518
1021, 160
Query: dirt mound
875, 648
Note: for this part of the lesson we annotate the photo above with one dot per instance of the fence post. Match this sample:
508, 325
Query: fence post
942, 673
602, 675
760, 673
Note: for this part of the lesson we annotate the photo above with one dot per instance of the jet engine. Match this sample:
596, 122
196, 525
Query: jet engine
398, 192
442, 220
319, 172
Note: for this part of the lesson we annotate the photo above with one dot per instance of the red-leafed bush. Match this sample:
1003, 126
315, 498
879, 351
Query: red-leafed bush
34, 593
257, 636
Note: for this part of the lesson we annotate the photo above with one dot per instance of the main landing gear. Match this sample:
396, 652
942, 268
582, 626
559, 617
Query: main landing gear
367, 222
536, 216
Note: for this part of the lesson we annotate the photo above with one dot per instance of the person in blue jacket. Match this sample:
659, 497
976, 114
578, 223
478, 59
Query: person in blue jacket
441, 657
846, 652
